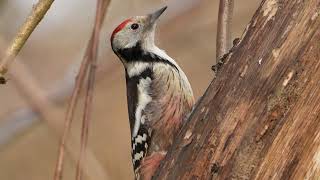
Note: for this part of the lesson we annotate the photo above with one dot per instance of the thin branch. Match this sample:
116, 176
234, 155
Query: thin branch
100, 14
70, 113
37, 14
223, 42
71, 110
71, 107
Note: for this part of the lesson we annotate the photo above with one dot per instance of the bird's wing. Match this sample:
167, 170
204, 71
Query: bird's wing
138, 97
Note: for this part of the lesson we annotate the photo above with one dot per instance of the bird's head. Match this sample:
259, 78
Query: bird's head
136, 31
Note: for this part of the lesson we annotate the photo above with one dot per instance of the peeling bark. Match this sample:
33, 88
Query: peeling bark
260, 118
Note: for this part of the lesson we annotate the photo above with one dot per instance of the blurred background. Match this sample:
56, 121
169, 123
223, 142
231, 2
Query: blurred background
50, 61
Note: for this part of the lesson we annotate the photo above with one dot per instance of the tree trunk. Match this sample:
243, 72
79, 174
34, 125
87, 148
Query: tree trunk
260, 117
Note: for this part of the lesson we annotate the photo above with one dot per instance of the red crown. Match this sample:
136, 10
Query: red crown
119, 28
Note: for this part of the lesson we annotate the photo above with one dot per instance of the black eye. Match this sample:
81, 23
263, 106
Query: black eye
134, 26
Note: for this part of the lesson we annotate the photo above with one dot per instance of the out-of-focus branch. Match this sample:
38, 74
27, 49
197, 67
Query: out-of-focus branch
62, 89
70, 113
223, 42
100, 15
37, 14
49, 112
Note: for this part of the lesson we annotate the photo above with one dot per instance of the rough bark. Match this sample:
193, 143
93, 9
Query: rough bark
260, 117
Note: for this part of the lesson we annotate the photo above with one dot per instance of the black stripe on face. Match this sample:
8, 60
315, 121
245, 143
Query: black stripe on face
136, 54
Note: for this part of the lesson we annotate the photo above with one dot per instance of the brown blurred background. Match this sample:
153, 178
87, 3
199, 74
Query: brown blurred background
28, 145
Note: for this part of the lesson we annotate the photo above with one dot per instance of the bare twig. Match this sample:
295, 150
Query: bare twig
74, 99
70, 113
224, 28
100, 14
71, 110
37, 14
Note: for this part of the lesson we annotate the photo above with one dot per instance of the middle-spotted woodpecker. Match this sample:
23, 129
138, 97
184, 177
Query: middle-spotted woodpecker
159, 94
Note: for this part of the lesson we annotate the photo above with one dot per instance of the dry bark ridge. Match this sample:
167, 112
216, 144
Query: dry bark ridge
260, 118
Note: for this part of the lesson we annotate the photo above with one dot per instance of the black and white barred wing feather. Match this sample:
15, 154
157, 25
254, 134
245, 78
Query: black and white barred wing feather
140, 144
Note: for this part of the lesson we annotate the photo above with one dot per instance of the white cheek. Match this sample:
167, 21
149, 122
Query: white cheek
132, 40
127, 39
132, 43
120, 41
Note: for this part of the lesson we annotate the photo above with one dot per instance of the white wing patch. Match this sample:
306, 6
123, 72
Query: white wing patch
136, 68
143, 99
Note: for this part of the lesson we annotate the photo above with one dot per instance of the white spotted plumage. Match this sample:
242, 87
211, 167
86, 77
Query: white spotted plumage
139, 139
138, 156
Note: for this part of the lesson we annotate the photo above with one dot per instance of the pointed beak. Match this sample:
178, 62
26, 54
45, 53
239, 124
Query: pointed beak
154, 16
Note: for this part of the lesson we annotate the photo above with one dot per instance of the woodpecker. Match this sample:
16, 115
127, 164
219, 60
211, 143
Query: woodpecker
159, 95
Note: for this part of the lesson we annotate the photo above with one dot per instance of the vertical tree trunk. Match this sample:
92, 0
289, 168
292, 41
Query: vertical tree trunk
260, 118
